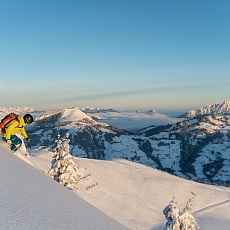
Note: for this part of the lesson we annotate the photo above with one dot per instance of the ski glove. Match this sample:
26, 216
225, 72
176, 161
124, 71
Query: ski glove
27, 139
9, 142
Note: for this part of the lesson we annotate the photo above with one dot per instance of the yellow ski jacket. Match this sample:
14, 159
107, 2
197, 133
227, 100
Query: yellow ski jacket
14, 127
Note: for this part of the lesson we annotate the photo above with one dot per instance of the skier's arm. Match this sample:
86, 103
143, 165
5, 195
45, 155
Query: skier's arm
23, 132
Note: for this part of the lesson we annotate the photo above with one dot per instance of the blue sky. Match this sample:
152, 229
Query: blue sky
123, 54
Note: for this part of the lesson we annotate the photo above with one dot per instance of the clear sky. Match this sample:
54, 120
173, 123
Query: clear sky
121, 54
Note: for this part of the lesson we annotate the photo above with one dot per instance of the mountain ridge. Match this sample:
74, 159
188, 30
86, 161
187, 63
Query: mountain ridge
223, 108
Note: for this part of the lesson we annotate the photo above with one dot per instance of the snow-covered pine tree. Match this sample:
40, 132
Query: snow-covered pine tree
178, 221
187, 221
63, 168
172, 213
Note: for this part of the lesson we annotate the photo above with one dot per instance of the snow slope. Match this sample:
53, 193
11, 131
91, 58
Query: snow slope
130, 193
31, 200
74, 115
135, 195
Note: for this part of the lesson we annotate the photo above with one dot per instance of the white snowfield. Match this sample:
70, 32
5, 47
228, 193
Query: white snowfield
31, 200
130, 193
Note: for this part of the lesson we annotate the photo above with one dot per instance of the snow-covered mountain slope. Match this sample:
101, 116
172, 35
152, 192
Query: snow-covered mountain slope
223, 108
82, 128
197, 148
32, 200
131, 193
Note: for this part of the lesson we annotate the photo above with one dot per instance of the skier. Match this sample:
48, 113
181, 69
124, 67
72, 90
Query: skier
13, 127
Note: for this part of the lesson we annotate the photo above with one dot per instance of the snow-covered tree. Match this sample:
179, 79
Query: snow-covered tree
177, 220
172, 213
187, 221
64, 169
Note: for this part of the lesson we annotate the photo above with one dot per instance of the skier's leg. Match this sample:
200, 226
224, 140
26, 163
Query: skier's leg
16, 143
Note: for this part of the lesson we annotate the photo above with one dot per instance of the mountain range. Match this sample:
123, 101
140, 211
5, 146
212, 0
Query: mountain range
192, 148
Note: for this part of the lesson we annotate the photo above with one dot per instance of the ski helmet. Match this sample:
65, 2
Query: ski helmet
28, 118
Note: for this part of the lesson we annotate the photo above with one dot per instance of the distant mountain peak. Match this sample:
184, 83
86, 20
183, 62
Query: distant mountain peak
149, 111
225, 105
223, 108
74, 114
18, 110
152, 111
96, 110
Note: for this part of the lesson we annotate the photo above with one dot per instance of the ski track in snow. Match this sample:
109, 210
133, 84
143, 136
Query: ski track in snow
220, 204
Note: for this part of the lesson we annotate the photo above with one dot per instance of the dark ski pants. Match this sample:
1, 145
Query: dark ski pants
16, 143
